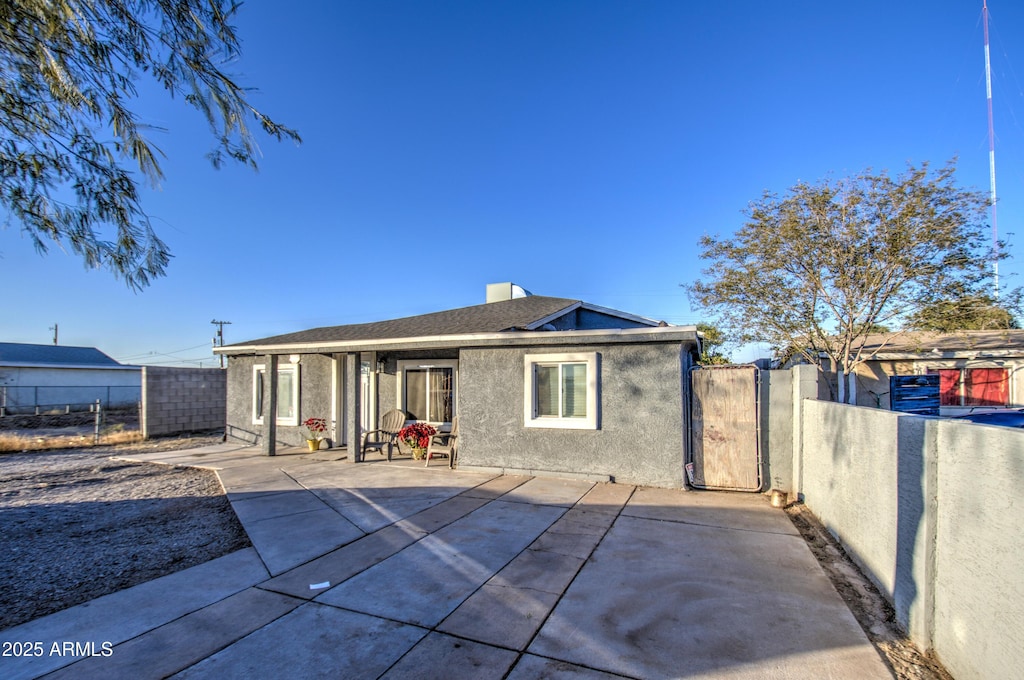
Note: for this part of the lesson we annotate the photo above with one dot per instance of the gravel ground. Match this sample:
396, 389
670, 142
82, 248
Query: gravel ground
77, 525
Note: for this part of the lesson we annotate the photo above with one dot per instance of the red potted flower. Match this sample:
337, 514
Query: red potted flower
315, 428
417, 437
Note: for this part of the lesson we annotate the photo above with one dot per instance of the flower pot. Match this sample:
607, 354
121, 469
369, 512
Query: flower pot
419, 454
313, 444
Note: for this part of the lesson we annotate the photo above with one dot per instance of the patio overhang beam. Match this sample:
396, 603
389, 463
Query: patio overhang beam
665, 334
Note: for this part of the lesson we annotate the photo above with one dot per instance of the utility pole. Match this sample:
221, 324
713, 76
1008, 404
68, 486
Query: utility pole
54, 329
218, 341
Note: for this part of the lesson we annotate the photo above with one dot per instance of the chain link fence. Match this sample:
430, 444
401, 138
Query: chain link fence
68, 406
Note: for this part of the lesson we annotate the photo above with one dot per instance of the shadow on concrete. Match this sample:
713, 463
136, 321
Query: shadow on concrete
519, 577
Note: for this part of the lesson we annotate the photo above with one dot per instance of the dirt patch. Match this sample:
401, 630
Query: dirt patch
872, 610
77, 525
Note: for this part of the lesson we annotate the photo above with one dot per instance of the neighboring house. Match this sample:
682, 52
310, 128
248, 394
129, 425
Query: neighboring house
539, 384
56, 376
977, 369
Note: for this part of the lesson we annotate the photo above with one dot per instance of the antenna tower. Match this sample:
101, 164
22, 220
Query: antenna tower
991, 152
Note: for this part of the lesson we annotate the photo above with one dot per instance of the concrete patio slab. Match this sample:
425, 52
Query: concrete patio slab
280, 504
428, 580
726, 509
289, 540
501, 615
497, 486
440, 573
342, 564
313, 641
606, 497
215, 456
127, 613
667, 599
262, 480
549, 491
543, 570
345, 562
443, 656
186, 641
532, 667
373, 511
442, 514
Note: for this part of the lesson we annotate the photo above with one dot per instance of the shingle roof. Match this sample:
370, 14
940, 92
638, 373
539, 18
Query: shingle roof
493, 317
958, 341
13, 352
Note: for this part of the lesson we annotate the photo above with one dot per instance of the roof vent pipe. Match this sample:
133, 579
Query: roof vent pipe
497, 292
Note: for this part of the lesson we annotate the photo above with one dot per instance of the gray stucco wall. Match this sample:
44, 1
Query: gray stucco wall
776, 403
979, 539
315, 374
852, 473
930, 510
182, 400
640, 440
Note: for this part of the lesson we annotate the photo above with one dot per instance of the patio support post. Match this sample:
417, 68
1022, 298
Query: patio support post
270, 405
353, 407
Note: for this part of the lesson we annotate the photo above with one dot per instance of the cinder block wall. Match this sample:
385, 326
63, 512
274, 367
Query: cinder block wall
176, 400
929, 508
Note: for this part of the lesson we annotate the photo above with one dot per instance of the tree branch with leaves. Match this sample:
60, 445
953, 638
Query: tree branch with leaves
69, 142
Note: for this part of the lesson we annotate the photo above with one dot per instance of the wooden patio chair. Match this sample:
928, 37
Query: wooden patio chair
445, 444
387, 435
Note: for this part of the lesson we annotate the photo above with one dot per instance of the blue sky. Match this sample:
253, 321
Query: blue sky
579, 149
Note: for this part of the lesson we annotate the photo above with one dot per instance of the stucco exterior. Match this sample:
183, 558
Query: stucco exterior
316, 373
928, 507
639, 439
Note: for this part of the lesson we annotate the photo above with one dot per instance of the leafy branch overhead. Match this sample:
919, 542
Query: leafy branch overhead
68, 70
815, 271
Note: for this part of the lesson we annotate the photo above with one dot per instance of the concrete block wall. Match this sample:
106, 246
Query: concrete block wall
176, 400
929, 508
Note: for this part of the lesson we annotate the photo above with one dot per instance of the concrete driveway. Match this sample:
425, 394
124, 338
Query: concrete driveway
389, 570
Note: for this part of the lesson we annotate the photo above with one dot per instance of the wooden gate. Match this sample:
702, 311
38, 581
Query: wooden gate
724, 433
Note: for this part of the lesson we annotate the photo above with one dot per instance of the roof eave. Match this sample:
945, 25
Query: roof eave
472, 340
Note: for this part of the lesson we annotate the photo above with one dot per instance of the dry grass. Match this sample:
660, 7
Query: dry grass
11, 443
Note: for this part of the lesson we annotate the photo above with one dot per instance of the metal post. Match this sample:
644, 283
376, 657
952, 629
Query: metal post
270, 405
353, 407
96, 430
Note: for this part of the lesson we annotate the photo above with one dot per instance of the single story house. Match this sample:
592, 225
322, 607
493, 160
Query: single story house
539, 384
977, 369
56, 376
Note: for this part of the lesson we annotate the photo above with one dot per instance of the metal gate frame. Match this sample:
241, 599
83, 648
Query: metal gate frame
757, 429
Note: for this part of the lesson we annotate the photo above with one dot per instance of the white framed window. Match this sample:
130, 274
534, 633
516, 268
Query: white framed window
427, 389
561, 391
287, 394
